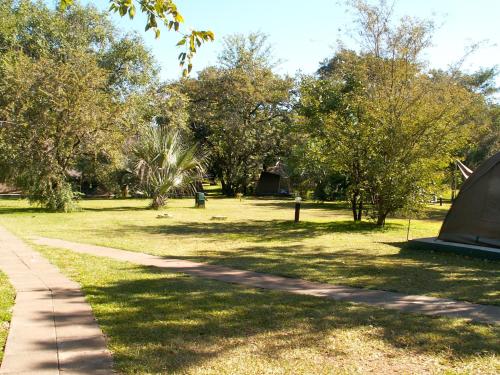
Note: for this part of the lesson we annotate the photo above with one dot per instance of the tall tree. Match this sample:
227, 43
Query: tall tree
387, 123
241, 108
55, 113
38, 31
49, 127
486, 139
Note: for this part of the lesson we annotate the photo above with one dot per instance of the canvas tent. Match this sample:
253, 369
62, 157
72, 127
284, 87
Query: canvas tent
273, 181
474, 217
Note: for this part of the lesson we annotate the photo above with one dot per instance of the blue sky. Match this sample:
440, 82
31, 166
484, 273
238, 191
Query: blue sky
305, 32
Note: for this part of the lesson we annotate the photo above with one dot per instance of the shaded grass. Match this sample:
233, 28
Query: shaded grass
260, 235
6, 303
161, 322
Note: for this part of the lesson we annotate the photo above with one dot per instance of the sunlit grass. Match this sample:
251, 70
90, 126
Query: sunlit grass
6, 302
259, 234
164, 323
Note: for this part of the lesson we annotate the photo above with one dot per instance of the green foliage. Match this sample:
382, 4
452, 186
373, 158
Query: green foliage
38, 31
481, 81
247, 52
56, 112
485, 140
164, 163
67, 89
166, 105
241, 111
384, 122
166, 12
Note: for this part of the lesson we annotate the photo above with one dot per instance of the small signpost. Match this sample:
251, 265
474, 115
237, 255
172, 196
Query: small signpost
297, 208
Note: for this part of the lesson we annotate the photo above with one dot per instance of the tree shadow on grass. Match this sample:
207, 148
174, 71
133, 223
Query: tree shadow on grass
339, 208
23, 210
259, 230
410, 251
408, 271
404, 270
166, 324
289, 204
119, 209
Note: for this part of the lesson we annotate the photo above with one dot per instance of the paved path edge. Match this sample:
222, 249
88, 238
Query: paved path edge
53, 329
390, 300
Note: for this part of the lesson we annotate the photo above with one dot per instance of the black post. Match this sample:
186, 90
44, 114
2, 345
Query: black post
440, 201
297, 211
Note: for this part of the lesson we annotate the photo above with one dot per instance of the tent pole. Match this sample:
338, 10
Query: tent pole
453, 184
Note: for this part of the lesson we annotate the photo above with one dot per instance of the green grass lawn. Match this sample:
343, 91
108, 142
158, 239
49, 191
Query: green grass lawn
6, 302
161, 322
259, 235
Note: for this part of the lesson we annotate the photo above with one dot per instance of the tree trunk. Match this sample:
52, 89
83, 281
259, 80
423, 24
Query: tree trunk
124, 191
354, 205
227, 188
381, 219
357, 205
158, 202
360, 209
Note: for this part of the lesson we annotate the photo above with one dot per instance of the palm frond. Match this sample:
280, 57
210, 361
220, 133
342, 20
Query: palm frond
165, 163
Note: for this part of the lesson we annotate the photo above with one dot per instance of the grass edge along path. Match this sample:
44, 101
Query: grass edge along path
53, 328
321, 248
390, 300
163, 322
7, 296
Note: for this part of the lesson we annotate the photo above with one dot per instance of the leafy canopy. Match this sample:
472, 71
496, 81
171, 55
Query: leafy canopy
240, 109
166, 12
382, 120
68, 88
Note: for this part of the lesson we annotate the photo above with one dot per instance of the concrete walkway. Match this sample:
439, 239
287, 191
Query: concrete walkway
396, 301
53, 330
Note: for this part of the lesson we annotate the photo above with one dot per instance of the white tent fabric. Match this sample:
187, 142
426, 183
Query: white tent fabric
466, 172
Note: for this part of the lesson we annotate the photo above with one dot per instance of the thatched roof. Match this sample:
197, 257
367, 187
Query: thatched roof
279, 169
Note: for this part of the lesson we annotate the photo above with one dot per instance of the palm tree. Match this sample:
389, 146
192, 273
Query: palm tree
165, 163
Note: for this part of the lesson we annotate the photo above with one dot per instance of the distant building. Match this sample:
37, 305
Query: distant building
273, 181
